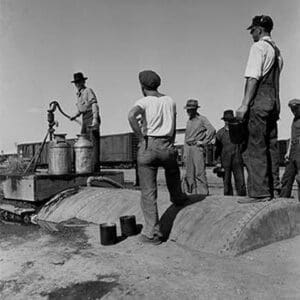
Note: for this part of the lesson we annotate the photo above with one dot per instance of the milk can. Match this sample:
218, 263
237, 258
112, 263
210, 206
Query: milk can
83, 154
59, 156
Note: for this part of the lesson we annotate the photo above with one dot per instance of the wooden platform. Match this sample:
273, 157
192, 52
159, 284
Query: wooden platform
40, 187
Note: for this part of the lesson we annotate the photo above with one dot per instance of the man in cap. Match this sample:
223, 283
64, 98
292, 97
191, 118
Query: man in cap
231, 158
293, 167
87, 106
198, 133
156, 148
260, 108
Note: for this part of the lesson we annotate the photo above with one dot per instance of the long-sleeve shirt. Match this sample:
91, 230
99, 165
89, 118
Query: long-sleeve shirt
199, 129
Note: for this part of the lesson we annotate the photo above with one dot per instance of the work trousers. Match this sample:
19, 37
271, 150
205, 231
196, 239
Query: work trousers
195, 181
291, 171
261, 156
233, 164
153, 153
94, 136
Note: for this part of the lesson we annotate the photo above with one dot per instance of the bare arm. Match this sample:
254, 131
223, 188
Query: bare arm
249, 94
174, 132
133, 121
75, 116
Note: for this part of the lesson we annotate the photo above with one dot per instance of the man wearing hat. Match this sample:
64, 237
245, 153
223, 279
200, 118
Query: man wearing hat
231, 158
198, 133
293, 167
87, 106
156, 149
260, 109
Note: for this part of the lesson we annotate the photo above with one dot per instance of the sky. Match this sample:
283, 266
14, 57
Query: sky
199, 48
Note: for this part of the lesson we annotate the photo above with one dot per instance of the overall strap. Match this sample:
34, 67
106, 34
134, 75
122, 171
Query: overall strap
274, 72
277, 51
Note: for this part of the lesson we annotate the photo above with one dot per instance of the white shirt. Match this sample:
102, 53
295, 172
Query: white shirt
158, 115
261, 59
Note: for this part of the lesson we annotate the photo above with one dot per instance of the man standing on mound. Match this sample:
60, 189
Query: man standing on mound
156, 149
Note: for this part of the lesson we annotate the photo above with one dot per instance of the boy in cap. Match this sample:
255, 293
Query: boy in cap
260, 108
231, 158
156, 148
293, 153
198, 133
87, 106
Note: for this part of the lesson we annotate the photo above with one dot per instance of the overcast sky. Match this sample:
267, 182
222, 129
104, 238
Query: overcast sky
200, 49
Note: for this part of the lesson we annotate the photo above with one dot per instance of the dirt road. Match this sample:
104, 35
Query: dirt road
72, 264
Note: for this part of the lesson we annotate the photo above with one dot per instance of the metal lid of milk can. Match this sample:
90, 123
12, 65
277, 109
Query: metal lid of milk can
83, 141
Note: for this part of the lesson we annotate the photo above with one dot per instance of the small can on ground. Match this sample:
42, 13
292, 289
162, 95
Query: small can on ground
128, 225
108, 233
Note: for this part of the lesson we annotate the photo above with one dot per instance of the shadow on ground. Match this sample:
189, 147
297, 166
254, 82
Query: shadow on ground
85, 290
167, 219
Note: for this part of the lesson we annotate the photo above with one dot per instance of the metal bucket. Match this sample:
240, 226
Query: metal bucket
128, 225
59, 156
237, 131
108, 233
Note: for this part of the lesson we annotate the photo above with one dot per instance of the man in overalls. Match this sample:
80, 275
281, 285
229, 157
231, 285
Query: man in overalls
260, 108
293, 168
198, 133
231, 158
88, 107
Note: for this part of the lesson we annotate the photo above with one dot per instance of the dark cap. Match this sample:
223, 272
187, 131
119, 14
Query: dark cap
191, 104
149, 80
78, 77
294, 102
262, 21
228, 115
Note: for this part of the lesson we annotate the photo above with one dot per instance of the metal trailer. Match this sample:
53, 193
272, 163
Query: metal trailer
118, 150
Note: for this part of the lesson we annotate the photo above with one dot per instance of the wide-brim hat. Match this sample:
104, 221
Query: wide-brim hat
78, 77
228, 115
192, 104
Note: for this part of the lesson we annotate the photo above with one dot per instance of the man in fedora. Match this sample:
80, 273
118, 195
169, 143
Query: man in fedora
260, 108
198, 133
231, 158
87, 107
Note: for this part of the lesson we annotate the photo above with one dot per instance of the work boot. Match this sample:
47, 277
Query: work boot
248, 200
155, 240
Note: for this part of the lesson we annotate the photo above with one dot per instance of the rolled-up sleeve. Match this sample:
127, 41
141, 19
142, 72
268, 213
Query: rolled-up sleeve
254, 68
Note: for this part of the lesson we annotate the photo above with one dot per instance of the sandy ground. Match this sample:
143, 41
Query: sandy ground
72, 264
